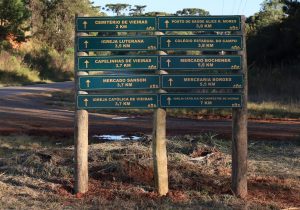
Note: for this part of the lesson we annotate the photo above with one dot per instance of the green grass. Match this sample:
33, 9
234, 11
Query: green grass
267, 110
34, 62
14, 72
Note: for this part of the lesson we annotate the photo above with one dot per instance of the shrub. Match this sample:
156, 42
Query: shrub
51, 64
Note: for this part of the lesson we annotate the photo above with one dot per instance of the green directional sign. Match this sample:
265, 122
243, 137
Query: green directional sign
115, 24
202, 81
121, 101
117, 43
200, 23
123, 82
116, 63
226, 62
200, 100
201, 42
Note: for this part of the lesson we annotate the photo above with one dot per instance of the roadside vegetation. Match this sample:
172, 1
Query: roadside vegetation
36, 171
35, 62
36, 40
36, 43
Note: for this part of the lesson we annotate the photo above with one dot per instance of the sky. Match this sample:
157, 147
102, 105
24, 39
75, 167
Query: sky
215, 7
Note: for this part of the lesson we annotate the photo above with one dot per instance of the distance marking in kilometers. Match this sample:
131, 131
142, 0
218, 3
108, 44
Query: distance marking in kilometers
200, 100
119, 82
201, 42
117, 43
202, 81
115, 24
122, 101
200, 23
227, 62
112, 63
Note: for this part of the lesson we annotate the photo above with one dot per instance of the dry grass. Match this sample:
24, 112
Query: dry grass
39, 175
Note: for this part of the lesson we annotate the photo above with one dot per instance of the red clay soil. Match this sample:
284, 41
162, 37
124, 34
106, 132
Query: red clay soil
272, 189
263, 191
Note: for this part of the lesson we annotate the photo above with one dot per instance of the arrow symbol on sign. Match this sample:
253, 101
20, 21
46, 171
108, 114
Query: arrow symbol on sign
167, 23
170, 82
86, 43
169, 101
168, 42
88, 82
168, 61
86, 63
84, 24
86, 101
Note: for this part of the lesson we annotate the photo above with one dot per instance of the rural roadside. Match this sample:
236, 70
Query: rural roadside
34, 110
36, 158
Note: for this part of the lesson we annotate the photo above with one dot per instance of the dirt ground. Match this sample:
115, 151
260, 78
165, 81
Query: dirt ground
33, 114
36, 173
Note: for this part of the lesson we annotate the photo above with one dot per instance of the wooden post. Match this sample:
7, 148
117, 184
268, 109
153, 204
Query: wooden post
80, 133
240, 133
159, 145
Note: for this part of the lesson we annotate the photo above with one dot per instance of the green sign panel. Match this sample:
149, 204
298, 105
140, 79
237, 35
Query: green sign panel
117, 43
200, 100
226, 62
85, 24
112, 63
202, 81
200, 23
121, 101
119, 82
203, 42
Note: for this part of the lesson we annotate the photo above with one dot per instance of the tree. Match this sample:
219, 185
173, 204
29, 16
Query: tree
55, 20
291, 26
192, 11
117, 8
157, 14
138, 10
266, 43
270, 13
13, 16
291, 7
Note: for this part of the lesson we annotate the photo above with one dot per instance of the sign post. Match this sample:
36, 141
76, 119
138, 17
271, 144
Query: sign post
159, 143
80, 136
240, 133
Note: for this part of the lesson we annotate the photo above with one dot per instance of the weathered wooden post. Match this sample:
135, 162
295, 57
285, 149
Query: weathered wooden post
159, 144
240, 132
80, 131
